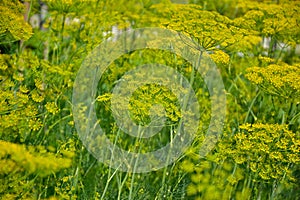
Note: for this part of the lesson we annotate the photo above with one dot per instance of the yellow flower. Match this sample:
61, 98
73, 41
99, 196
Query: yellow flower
23, 89
37, 97
39, 84
191, 190
12, 20
52, 108
187, 166
277, 79
220, 57
35, 124
4, 58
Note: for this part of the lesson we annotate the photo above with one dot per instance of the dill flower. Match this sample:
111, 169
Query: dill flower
35, 124
220, 57
270, 149
277, 79
12, 20
37, 97
52, 108
4, 61
32, 162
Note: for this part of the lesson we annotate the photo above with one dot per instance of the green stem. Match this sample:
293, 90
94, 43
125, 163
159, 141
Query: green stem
166, 168
250, 107
109, 171
135, 164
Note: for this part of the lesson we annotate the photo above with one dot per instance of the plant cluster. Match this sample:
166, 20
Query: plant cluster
257, 155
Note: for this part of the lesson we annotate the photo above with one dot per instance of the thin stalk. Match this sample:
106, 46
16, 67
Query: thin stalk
250, 107
166, 168
122, 185
177, 184
135, 165
274, 188
28, 6
109, 171
77, 171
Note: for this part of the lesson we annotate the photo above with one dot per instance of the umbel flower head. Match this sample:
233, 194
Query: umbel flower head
277, 79
268, 149
12, 24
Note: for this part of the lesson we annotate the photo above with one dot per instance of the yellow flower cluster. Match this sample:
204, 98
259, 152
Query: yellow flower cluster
271, 18
155, 95
17, 162
28, 89
266, 59
145, 97
209, 29
277, 20
104, 97
12, 21
36, 96
3, 61
220, 57
268, 149
35, 124
67, 6
277, 79
52, 108
211, 181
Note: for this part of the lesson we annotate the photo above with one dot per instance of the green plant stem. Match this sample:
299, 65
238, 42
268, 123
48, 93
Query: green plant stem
135, 165
166, 168
109, 171
250, 107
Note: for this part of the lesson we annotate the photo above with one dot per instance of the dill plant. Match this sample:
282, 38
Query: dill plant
257, 157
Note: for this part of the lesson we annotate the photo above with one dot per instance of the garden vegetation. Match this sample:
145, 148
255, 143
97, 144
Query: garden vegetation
255, 45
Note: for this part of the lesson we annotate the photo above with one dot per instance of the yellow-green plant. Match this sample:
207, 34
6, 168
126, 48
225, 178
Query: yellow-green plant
215, 180
269, 153
12, 25
22, 165
255, 157
277, 79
